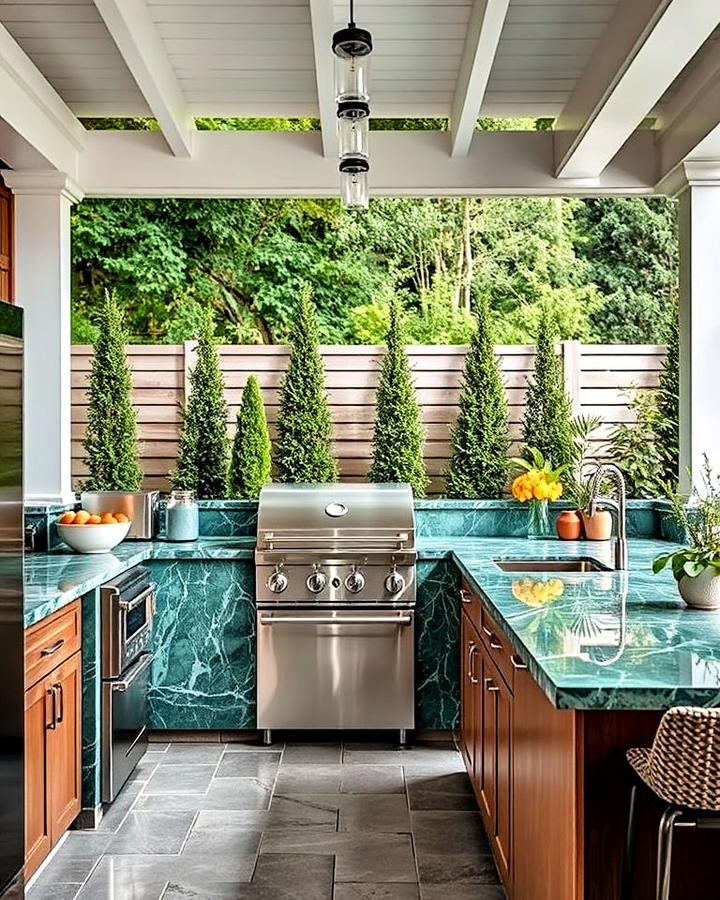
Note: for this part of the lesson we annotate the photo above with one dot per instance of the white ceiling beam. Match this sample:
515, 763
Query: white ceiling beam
322, 19
645, 46
136, 37
483, 35
405, 164
37, 120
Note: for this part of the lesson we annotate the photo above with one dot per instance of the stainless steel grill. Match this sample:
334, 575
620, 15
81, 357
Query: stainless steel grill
335, 592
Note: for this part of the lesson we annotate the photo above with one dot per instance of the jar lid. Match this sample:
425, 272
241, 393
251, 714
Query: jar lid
181, 495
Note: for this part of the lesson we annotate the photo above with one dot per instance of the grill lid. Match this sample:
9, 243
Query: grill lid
336, 516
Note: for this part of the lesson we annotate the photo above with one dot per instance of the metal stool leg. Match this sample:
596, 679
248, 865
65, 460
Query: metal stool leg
628, 867
664, 862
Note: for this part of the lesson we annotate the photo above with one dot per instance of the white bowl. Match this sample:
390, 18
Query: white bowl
93, 538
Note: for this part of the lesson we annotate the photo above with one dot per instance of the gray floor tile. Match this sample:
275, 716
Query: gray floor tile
66, 869
127, 878
304, 779
314, 811
53, 892
374, 813
158, 746
222, 833
192, 754
451, 846
241, 819
144, 769
372, 780
116, 812
312, 754
359, 891
84, 843
248, 765
458, 891
180, 779
223, 793
437, 754
153, 833
433, 789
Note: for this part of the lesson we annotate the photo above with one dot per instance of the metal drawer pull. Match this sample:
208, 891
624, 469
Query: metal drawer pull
127, 605
133, 673
472, 650
491, 686
61, 714
328, 620
53, 724
494, 642
516, 662
53, 648
465, 596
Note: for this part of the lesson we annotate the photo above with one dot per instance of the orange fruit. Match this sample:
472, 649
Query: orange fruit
121, 517
67, 518
81, 517
108, 519
94, 520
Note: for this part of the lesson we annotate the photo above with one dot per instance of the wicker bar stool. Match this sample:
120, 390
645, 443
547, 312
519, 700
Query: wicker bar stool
681, 771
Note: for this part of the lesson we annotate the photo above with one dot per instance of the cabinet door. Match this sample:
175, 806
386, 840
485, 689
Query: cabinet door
64, 746
486, 760
469, 665
37, 820
503, 769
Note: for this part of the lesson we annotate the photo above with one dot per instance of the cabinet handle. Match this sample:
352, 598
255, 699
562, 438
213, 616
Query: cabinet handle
491, 686
516, 662
53, 723
61, 713
494, 642
465, 596
53, 648
472, 650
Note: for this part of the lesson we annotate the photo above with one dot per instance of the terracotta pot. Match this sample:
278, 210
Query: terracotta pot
701, 591
599, 526
569, 525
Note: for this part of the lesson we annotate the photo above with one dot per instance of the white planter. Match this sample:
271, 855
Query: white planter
702, 591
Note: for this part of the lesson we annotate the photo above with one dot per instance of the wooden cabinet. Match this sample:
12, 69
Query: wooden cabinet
53, 727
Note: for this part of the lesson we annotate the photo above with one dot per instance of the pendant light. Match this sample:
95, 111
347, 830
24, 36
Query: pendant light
352, 47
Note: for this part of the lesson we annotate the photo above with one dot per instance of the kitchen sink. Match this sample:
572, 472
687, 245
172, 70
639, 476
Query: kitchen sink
578, 564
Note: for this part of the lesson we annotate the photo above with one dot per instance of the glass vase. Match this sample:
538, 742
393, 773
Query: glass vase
538, 520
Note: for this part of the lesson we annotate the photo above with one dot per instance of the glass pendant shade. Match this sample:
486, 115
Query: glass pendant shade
353, 136
354, 190
351, 78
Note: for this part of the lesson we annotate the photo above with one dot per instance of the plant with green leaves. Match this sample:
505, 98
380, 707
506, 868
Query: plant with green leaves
548, 414
111, 436
398, 436
700, 520
577, 483
250, 463
667, 401
202, 464
304, 444
478, 465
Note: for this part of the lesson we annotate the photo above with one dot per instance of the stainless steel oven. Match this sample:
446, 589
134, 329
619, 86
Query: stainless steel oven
127, 612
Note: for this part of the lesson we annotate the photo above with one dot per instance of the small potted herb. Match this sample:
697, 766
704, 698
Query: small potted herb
697, 565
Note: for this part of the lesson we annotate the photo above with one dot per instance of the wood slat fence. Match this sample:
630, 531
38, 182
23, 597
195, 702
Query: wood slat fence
599, 380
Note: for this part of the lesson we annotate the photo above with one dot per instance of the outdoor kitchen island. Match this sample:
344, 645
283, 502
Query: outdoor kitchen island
603, 657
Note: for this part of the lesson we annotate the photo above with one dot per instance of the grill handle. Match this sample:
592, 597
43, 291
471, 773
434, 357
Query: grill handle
345, 620
127, 605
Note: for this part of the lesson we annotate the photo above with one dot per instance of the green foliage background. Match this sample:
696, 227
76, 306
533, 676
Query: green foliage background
250, 463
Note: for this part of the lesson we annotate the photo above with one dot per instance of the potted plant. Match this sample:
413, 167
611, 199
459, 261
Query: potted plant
571, 523
696, 566
537, 484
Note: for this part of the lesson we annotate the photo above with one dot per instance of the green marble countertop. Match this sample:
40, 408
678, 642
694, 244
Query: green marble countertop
608, 640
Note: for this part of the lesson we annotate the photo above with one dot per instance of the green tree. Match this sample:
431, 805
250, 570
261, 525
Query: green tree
111, 436
668, 403
478, 466
250, 464
202, 464
548, 414
304, 444
398, 435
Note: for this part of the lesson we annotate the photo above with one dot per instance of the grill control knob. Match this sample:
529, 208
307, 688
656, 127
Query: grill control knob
277, 582
316, 582
355, 581
394, 583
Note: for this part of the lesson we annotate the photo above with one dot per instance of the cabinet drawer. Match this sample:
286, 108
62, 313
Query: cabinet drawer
51, 641
470, 602
497, 645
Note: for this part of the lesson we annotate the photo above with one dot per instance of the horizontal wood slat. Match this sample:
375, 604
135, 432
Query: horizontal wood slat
604, 378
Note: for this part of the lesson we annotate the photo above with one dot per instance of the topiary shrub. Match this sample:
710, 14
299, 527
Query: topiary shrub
478, 465
667, 399
202, 464
398, 436
250, 465
111, 436
548, 413
304, 444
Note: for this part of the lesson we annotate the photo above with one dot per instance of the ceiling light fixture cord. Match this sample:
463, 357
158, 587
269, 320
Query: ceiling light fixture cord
352, 14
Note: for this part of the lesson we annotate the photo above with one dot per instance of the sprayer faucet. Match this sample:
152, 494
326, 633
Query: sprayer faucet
611, 471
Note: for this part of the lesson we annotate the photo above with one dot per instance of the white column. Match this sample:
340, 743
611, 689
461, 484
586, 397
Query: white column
699, 231
42, 284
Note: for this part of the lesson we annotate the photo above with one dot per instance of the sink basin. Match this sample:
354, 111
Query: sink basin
579, 564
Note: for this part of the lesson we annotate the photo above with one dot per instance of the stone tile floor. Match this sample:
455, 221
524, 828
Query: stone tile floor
295, 821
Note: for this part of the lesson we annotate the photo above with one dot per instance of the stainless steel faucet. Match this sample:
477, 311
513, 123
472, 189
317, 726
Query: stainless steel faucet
609, 470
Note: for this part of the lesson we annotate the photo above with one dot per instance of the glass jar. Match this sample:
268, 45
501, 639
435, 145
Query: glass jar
182, 520
538, 520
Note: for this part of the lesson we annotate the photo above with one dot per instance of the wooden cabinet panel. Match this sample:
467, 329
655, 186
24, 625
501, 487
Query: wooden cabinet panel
498, 647
469, 701
487, 734
503, 776
51, 641
37, 819
471, 605
64, 743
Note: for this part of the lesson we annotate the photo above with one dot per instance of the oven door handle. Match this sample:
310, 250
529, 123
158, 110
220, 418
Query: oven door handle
127, 605
329, 620
123, 684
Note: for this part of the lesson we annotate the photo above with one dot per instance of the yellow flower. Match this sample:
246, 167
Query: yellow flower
535, 592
